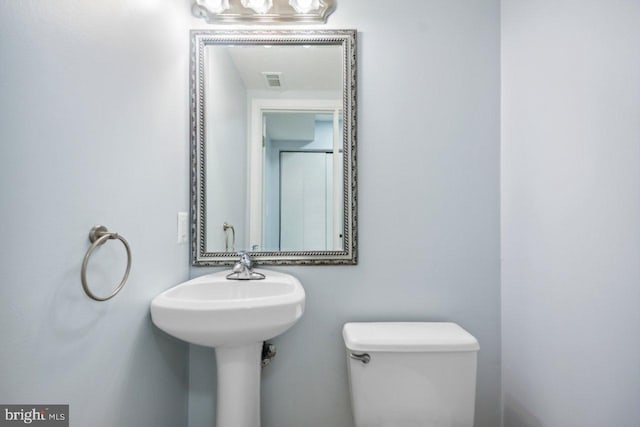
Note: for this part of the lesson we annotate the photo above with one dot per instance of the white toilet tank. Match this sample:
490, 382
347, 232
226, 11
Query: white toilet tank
411, 374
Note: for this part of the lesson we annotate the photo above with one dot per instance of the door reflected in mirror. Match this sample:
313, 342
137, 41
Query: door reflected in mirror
273, 147
302, 181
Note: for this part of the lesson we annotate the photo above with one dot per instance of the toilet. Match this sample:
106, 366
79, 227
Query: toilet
418, 374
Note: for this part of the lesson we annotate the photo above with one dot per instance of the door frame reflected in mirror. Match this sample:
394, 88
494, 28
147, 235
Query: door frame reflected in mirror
260, 107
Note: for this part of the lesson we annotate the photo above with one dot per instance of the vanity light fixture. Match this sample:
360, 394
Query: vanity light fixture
263, 11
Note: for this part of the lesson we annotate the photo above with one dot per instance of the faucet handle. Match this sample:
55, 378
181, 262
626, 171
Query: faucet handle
245, 260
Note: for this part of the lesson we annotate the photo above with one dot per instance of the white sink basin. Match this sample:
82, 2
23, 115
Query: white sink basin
216, 312
235, 317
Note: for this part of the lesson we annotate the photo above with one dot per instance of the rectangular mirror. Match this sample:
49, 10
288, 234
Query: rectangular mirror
273, 146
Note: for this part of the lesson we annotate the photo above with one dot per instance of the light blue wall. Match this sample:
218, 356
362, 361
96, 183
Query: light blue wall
571, 209
428, 163
94, 101
94, 129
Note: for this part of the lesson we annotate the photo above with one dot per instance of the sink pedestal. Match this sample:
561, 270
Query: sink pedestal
238, 386
234, 317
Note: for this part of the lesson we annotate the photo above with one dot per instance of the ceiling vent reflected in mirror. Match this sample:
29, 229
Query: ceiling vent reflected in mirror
273, 80
263, 11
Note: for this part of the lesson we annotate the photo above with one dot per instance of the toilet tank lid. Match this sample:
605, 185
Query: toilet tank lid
408, 337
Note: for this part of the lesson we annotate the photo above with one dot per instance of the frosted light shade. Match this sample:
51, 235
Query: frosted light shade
263, 11
259, 6
214, 6
304, 6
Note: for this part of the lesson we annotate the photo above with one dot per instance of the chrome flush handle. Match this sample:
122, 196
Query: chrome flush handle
364, 357
245, 260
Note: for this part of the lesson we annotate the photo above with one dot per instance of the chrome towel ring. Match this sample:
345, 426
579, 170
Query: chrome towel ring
98, 236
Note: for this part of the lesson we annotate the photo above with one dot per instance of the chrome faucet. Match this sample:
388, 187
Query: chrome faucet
243, 269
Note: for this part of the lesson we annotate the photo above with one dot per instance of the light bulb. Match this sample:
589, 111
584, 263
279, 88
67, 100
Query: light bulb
304, 6
259, 6
214, 6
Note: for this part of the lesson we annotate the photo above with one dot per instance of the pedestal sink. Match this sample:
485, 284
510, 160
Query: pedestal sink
235, 317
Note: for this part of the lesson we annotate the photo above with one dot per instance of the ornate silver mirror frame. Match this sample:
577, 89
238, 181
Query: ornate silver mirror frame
346, 39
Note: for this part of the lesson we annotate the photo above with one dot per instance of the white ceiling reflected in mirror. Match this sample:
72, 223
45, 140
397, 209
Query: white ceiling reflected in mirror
273, 146
264, 11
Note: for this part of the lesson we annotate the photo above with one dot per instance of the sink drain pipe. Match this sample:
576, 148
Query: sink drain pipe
268, 353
